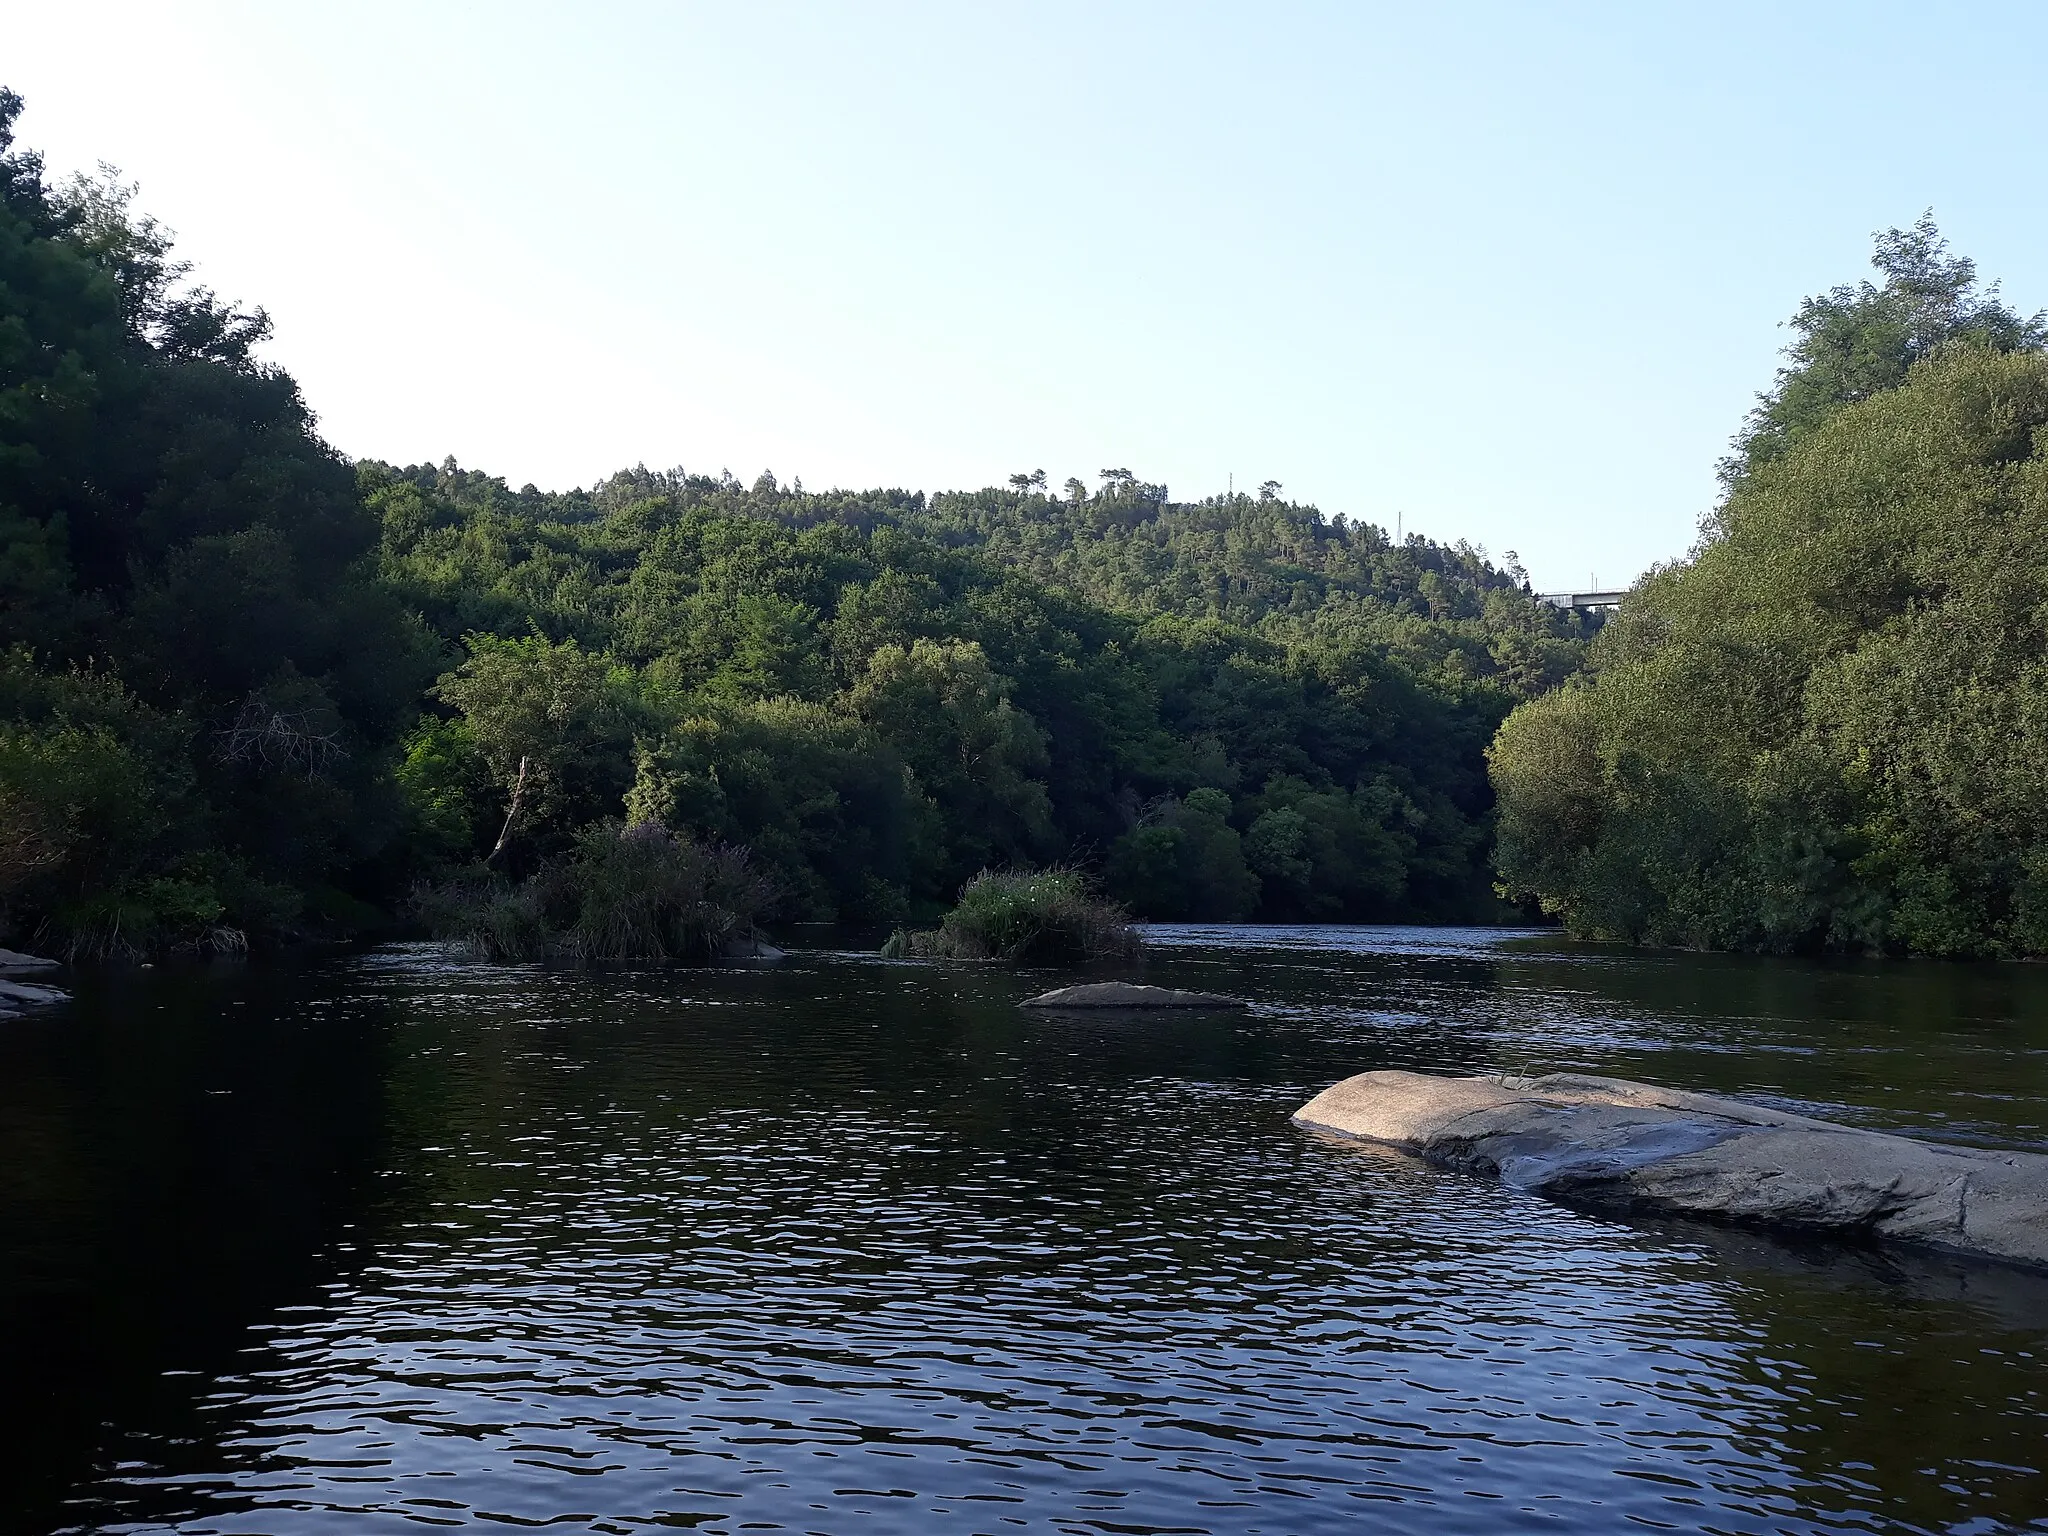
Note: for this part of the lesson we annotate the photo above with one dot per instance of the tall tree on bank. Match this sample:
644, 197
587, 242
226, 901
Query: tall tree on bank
1828, 729
202, 677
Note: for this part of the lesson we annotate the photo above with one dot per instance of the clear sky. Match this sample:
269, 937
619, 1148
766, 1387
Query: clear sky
1514, 271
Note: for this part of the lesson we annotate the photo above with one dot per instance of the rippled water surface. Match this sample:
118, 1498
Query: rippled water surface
398, 1240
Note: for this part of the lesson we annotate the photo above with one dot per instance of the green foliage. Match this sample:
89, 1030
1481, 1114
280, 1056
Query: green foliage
946, 714
1185, 861
1045, 917
882, 693
551, 722
1827, 730
446, 782
831, 814
1324, 853
634, 892
1860, 339
208, 675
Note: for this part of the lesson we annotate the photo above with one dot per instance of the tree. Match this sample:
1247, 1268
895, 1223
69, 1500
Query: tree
551, 721
1830, 728
171, 523
947, 713
1185, 862
1859, 339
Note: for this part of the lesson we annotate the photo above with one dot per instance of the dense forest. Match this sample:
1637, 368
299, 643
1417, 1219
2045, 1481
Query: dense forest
250, 691
1828, 727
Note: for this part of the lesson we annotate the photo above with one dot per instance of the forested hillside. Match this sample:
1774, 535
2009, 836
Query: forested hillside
871, 692
1829, 727
250, 691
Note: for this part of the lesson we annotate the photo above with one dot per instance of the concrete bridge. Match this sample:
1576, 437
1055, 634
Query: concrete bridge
1597, 600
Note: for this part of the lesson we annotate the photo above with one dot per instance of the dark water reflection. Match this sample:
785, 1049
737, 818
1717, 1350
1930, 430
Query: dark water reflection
397, 1241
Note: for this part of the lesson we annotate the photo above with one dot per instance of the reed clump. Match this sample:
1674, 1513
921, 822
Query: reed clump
1046, 916
638, 892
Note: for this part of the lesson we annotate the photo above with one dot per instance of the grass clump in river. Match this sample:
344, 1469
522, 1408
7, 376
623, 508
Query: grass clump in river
635, 892
1017, 915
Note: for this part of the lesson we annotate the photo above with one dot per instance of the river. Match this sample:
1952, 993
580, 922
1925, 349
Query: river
395, 1240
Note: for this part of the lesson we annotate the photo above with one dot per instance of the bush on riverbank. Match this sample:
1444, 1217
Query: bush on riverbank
1049, 915
638, 892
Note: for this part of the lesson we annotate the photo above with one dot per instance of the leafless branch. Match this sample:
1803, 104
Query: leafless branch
263, 733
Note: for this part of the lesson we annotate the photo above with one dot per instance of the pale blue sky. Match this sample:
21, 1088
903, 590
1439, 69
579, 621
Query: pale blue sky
1515, 271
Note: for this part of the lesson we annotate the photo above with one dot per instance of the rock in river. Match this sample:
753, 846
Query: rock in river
1125, 994
13, 961
17, 997
1607, 1142
751, 949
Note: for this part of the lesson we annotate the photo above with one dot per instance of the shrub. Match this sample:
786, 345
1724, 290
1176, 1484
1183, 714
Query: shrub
489, 915
1015, 915
642, 893
638, 892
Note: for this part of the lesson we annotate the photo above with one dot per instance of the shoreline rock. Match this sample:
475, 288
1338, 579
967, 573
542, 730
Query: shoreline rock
1610, 1143
18, 997
13, 962
1126, 994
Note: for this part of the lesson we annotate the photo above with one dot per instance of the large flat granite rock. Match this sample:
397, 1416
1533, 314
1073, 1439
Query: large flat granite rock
1604, 1141
1126, 994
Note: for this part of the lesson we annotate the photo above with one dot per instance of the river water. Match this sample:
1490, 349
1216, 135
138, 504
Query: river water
396, 1240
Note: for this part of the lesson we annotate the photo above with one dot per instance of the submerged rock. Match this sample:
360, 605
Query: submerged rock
17, 997
1125, 994
751, 949
1608, 1142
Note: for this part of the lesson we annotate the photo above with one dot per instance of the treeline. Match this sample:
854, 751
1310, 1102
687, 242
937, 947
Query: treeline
1828, 728
867, 695
251, 690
